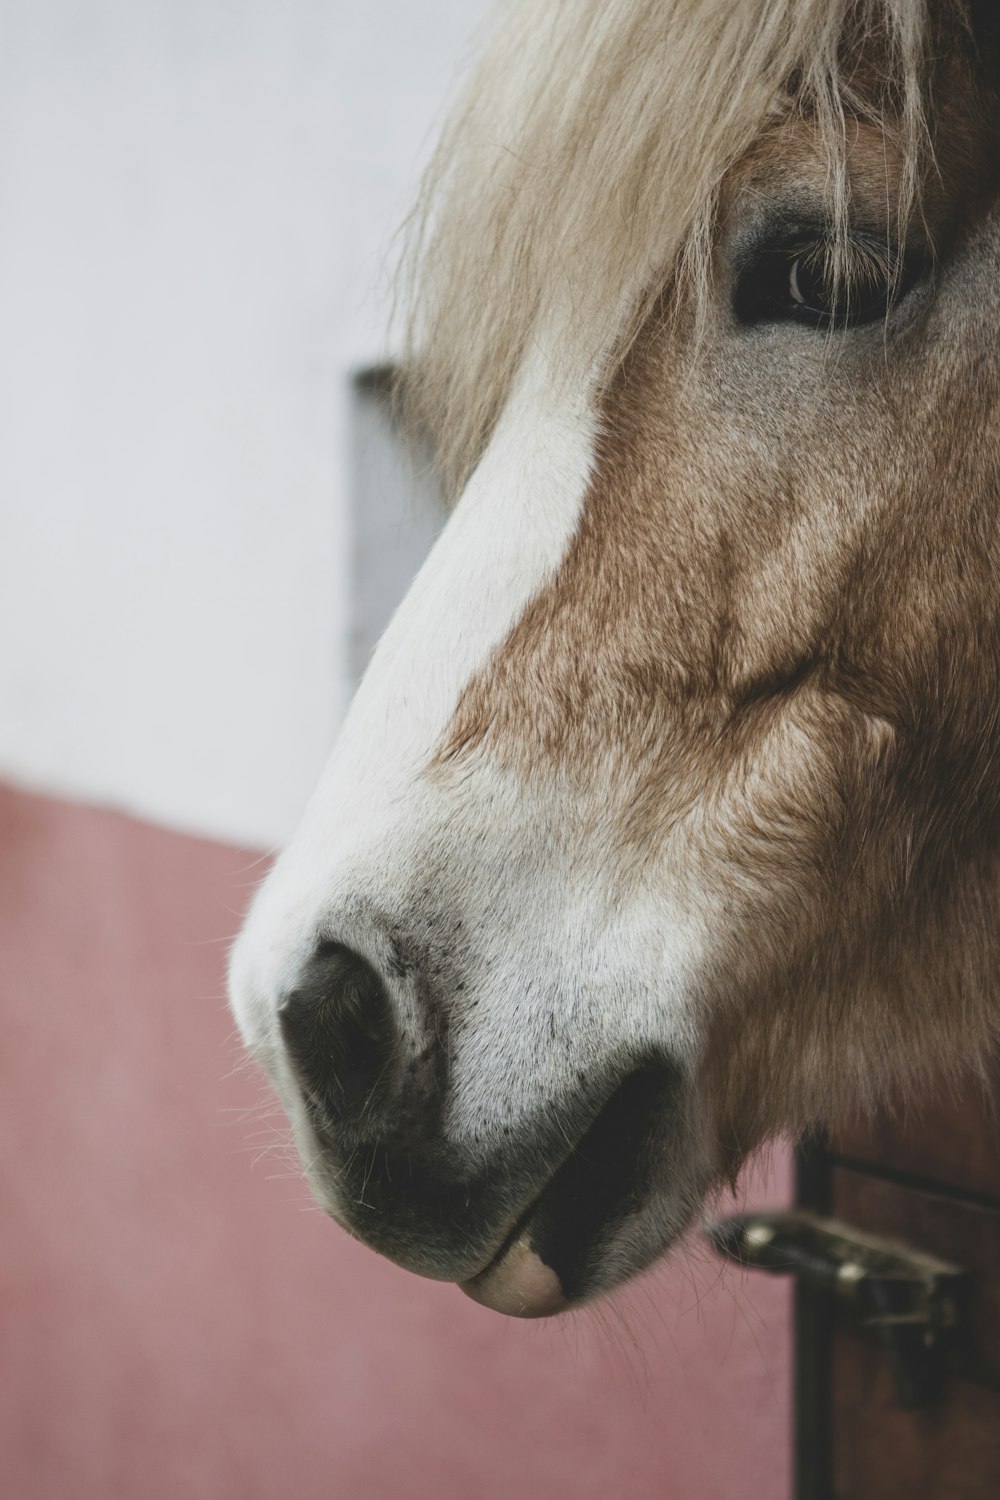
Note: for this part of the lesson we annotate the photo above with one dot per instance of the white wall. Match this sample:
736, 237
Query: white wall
196, 202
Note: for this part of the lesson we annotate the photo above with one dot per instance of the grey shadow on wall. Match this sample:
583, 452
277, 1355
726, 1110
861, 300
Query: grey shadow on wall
396, 512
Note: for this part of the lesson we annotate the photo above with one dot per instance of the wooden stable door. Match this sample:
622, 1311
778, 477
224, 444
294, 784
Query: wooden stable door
931, 1182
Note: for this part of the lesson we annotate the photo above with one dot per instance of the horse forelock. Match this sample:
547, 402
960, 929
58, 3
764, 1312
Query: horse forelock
583, 164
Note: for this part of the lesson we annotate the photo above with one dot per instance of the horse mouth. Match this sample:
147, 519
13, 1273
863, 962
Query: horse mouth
551, 1257
516, 1280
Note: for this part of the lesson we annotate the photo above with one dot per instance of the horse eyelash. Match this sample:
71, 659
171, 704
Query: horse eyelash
760, 292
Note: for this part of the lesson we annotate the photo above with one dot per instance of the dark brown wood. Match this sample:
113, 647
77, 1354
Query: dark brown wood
963, 1232
954, 1139
930, 1179
949, 1451
813, 1331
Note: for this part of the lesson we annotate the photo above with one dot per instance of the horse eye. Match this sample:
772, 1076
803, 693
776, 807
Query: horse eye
796, 282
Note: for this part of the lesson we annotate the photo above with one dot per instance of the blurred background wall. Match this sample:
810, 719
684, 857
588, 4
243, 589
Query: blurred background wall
204, 521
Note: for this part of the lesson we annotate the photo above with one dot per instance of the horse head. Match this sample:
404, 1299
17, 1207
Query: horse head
665, 818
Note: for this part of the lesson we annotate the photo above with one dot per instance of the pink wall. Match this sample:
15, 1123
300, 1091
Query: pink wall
175, 1321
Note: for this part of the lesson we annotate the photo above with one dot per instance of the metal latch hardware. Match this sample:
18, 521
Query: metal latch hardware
911, 1300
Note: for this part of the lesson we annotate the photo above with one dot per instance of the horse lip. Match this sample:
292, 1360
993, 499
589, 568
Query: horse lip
515, 1231
522, 1277
519, 1224
515, 1280
518, 1283
518, 1230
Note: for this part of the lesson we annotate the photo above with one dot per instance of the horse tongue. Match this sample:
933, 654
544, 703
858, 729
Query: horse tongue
520, 1284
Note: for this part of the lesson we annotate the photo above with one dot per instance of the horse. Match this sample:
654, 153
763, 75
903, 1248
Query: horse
664, 821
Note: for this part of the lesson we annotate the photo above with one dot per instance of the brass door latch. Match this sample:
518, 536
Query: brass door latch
912, 1301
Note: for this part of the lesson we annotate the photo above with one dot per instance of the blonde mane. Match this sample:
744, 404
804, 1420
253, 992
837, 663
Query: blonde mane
581, 170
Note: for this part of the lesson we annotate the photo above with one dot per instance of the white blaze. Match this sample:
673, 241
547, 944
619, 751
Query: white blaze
503, 544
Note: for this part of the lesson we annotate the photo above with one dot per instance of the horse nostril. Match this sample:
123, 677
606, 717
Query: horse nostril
338, 1027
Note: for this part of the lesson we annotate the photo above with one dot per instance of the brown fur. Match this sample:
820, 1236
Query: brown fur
775, 641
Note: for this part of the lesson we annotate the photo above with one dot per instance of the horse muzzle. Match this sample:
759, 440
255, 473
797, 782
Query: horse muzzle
519, 1214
